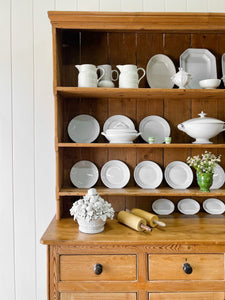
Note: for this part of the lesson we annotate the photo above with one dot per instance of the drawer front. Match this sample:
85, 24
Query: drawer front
81, 267
98, 296
170, 267
187, 296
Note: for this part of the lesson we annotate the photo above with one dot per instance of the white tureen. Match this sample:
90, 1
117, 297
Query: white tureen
202, 128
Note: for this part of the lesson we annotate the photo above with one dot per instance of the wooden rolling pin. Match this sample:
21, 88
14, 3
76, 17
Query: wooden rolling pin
152, 220
133, 221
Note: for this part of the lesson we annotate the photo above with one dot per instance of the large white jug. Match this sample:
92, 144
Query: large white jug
87, 76
129, 77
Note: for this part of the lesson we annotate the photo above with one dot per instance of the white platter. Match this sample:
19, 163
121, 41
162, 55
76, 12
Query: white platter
84, 174
163, 206
118, 121
213, 206
115, 174
188, 206
218, 177
159, 71
83, 129
156, 127
178, 175
148, 175
200, 63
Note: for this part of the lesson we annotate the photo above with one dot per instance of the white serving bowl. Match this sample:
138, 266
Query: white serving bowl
209, 83
202, 129
120, 130
121, 138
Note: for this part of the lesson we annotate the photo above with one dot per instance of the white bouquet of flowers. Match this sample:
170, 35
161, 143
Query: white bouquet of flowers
92, 207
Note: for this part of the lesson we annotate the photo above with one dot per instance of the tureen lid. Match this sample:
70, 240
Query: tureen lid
203, 120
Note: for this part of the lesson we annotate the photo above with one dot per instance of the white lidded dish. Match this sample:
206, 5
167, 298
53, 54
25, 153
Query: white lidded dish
202, 128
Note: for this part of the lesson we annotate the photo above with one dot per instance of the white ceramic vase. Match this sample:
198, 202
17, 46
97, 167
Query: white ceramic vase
94, 226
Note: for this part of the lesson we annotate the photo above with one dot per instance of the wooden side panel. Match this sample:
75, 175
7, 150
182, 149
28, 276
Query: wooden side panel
97, 296
81, 267
187, 296
170, 267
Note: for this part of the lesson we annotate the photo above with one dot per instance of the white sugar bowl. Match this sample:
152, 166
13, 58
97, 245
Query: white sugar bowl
181, 78
202, 129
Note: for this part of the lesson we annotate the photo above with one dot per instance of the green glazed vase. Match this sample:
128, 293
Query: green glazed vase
205, 181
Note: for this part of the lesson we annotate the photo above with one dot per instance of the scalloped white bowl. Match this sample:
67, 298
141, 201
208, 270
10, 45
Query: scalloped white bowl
209, 83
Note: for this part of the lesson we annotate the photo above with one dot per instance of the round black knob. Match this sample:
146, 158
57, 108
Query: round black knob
98, 268
187, 268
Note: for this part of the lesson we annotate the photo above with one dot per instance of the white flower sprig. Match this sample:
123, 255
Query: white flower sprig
205, 163
92, 207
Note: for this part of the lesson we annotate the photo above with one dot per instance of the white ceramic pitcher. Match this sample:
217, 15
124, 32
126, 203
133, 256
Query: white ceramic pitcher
88, 76
108, 78
129, 77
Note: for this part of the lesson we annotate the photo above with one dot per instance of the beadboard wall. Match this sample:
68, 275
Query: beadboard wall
27, 159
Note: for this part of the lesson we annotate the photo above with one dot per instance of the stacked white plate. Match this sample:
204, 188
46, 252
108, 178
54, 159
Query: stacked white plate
115, 174
83, 129
214, 206
188, 206
154, 126
163, 206
148, 175
218, 177
84, 174
178, 175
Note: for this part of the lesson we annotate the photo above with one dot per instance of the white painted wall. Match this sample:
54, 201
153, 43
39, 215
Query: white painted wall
27, 179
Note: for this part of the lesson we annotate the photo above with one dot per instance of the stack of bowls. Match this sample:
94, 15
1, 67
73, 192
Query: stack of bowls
121, 134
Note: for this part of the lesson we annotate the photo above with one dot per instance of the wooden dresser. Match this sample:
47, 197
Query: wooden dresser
185, 260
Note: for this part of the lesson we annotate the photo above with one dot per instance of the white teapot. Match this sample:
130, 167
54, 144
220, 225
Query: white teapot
87, 76
129, 77
181, 78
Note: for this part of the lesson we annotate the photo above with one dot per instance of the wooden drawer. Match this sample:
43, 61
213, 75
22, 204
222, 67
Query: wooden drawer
187, 296
98, 296
114, 267
170, 267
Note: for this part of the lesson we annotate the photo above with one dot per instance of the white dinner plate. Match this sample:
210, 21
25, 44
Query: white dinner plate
83, 129
200, 63
188, 206
213, 206
163, 206
159, 71
178, 175
218, 177
84, 174
118, 121
148, 175
115, 174
156, 127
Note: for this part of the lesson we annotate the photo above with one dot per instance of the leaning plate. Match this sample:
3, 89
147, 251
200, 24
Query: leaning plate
213, 206
83, 129
148, 175
163, 206
84, 174
118, 121
200, 63
188, 206
223, 64
156, 127
159, 71
218, 177
178, 175
115, 174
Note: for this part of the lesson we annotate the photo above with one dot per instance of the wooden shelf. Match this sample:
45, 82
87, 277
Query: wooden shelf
144, 145
140, 93
136, 191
